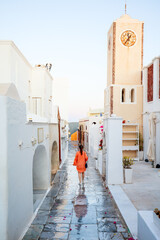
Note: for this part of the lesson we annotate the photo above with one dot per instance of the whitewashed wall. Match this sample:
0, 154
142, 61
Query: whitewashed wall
93, 132
149, 107
16, 164
15, 68
114, 166
31, 82
64, 140
94, 137
41, 87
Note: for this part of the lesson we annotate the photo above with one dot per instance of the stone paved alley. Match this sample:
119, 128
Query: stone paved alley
70, 212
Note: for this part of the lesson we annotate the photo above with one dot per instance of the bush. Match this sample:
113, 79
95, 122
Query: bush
127, 162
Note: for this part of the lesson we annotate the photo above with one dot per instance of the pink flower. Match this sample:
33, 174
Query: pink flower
114, 222
70, 229
105, 212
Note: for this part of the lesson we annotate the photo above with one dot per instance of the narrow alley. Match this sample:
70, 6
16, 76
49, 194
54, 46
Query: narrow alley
74, 213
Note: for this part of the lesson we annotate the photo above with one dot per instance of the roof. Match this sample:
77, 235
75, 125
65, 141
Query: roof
128, 19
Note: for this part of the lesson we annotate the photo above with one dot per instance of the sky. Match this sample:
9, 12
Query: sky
72, 35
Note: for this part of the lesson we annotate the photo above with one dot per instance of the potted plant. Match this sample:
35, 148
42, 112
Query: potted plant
128, 171
140, 147
156, 217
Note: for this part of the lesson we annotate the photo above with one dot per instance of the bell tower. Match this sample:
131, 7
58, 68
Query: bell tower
123, 94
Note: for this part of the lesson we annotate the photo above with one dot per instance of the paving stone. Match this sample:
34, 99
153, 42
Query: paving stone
105, 226
47, 204
56, 228
83, 231
63, 196
77, 213
60, 212
110, 236
41, 218
60, 219
54, 191
83, 214
106, 212
62, 207
54, 235
110, 219
126, 235
101, 208
64, 201
33, 232
120, 228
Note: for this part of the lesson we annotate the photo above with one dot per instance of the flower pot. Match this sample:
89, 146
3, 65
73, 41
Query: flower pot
128, 175
156, 220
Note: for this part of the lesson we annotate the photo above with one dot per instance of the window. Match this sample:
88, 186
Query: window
132, 95
123, 95
37, 106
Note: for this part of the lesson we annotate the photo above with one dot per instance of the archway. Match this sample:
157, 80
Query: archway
40, 175
54, 159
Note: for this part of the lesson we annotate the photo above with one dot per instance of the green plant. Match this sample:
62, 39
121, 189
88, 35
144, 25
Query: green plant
127, 162
157, 212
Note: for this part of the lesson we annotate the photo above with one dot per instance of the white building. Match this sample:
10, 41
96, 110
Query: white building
151, 110
90, 133
30, 139
61, 98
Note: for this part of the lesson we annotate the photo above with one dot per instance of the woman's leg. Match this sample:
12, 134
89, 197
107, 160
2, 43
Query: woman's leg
79, 176
83, 177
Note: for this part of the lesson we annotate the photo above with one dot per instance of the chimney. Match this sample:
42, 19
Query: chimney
48, 66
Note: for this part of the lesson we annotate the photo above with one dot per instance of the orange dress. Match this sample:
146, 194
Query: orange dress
80, 161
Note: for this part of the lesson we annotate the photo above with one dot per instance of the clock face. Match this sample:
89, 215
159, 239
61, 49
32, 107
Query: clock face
128, 38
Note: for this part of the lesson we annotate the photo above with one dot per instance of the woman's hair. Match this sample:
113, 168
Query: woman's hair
81, 148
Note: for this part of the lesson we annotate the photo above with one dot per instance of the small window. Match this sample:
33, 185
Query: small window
123, 95
132, 95
37, 106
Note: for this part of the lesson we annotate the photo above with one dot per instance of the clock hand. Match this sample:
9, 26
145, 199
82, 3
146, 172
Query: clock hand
128, 39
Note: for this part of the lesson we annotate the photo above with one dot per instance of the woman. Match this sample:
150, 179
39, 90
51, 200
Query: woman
80, 161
